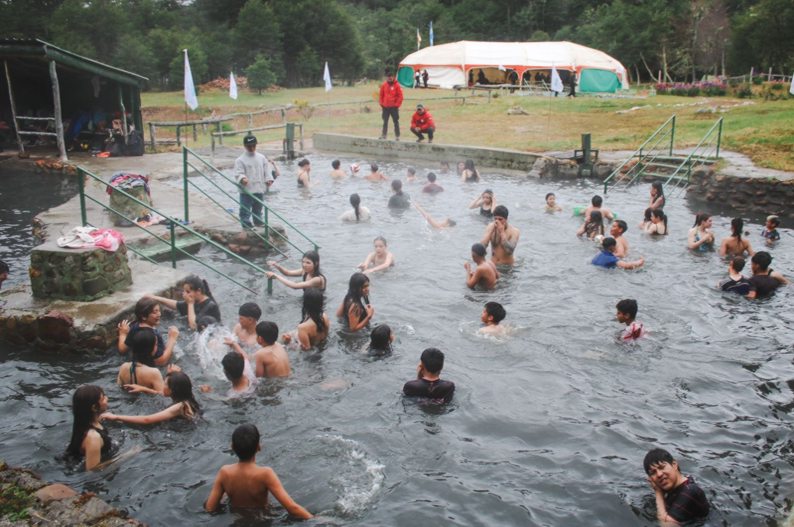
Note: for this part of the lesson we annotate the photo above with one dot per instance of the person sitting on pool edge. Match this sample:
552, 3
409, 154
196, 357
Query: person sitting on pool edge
428, 383
606, 258
246, 484
485, 275
627, 314
678, 498
502, 237
492, 314
764, 280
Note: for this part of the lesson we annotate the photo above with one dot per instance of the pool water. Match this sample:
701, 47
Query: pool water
548, 426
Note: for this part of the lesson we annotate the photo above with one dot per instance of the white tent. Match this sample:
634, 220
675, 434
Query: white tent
450, 65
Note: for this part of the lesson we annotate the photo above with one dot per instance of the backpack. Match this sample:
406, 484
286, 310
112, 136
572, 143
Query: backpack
134, 146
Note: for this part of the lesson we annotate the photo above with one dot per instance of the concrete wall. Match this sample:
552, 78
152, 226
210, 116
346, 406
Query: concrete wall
743, 195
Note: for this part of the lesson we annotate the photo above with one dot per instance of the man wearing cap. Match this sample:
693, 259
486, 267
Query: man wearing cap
422, 123
391, 98
253, 174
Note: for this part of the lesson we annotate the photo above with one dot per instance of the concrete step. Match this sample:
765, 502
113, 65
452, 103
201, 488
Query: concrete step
160, 251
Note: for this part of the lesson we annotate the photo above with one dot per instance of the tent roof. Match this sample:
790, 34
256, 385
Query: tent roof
467, 54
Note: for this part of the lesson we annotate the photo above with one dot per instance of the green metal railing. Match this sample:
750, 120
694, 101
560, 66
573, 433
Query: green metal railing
188, 155
174, 224
708, 145
653, 147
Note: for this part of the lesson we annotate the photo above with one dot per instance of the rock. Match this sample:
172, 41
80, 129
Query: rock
56, 491
55, 327
517, 110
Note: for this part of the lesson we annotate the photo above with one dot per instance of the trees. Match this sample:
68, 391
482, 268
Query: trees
260, 74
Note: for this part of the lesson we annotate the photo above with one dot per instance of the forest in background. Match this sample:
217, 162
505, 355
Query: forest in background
286, 42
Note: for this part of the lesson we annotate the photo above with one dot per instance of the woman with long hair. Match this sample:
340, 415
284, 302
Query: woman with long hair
89, 438
593, 226
309, 272
197, 301
140, 374
485, 202
469, 174
380, 340
700, 238
179, 388
735, 245
313, 329
658, 225
356, 311
359, 212
147, 315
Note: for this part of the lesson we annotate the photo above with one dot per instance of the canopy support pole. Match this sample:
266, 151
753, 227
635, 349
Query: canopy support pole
56, 103
13, 109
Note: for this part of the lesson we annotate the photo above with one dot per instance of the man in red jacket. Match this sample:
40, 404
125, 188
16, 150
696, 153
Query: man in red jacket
422, 123
391, 97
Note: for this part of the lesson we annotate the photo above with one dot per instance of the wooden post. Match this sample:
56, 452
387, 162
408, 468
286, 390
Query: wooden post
195, 135
13, 109
219, 128
178, 132
250, 120
56, 100
769, 75
151, 137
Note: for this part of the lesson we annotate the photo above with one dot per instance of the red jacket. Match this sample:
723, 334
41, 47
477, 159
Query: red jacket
423, 121
391, 95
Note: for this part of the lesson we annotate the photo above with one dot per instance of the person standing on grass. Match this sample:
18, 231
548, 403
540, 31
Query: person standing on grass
391, 98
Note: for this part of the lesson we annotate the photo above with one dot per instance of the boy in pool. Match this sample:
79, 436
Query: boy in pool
238, 370
770, 229
619, 227
502, 237
271, 359
595, 204
432, 187
410, 174
678, 498
428, 382
246, 484
375, 174
492, 314
485, 275
245, 329
606, 258
736, 281
551, 203
627, 313
337, 172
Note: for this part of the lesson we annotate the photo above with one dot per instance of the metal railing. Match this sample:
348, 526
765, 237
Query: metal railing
708, 145
173, 225
652, 148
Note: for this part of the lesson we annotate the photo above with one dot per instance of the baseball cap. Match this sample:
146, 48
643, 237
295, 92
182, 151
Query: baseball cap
249, 140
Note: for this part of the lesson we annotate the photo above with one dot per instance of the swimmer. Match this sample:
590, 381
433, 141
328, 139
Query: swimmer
432, 187
238, 370
89, 438
485, 202
492, 314
606, 258
428, 382
380, 340
736, 281
147, 315
443, 224
460, 168
355, 310
309, 272
246, 484
197, 301
245, 329
769, 232
658, 225
551, 203
359, 212
469, 173
502, 237
700, 238
592, 227
764, 281
410, 175
619, 227
179, 388
271, 359
378, 260
336, 172
399, 199
140, 374
657, 198
734, 245
678, 498
485, 275
375, 174
443, 167
304, 174
313, 328
626, 314
595, 204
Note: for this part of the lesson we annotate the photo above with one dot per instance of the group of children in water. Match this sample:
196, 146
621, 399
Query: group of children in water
246, 484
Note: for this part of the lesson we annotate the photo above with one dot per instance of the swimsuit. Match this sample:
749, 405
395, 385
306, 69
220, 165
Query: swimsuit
107, 443
741, 286
135, 327
703, 247
605, 259
488, 213
133, 376
772, 235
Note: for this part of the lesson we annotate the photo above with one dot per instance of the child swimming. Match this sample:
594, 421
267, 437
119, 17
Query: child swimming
492, 314
380, 340
551, 203
271, 359
179, 388
245, 329
626, 314
378, 260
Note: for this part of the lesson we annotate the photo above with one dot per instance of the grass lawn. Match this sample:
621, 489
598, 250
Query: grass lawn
764, 130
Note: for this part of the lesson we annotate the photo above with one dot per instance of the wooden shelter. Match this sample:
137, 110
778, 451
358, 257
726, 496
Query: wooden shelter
44, 86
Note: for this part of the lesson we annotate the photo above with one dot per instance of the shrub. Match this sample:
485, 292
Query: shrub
758, 80
744, 91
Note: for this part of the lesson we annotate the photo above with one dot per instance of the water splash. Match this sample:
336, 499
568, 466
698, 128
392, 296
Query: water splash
210, 349
359, 477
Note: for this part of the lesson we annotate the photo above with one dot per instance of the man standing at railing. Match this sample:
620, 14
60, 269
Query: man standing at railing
254, 176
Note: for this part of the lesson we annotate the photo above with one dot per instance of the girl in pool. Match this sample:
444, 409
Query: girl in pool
314, 327
592, 227
356, 311
309, 272
469, 174
89, 438
734, 245
179, 388
378, 260
147, 315
436, 224
140, 371
485, 202
304, 177
657, 196
380, 341
700, 238
551, 203
196, 301
358, 214
658, 225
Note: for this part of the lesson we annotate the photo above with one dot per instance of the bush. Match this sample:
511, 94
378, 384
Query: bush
712, 89
758, 80
744, 91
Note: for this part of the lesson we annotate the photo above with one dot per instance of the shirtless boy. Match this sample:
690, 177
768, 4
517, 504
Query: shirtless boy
246, 484
619, 227
492, 314
245, 329
337, 173
485, 275
238, 371
375, 174
595, 204
502, 237
271, 359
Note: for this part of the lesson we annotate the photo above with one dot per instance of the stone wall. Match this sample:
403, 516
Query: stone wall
77, 274
744, 195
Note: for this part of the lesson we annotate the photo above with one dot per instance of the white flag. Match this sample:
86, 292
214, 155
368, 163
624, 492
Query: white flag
190, 89
327, 77
791, 90
501, 68
556, 81
232, 87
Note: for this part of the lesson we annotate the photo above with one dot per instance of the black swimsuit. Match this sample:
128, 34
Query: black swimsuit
107, 443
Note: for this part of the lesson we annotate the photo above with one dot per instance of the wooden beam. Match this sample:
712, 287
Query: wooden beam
56, 101
13, 109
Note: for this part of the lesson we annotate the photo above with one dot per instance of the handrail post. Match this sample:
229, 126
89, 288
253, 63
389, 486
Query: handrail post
267, 225
270, 286
184, 184
173, 243
672, 136
81, 185
719, 139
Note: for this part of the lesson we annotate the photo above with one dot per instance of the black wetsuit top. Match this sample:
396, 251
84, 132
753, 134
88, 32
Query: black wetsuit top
687, 502
488, 213
764, 284
438, 390
208, 308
